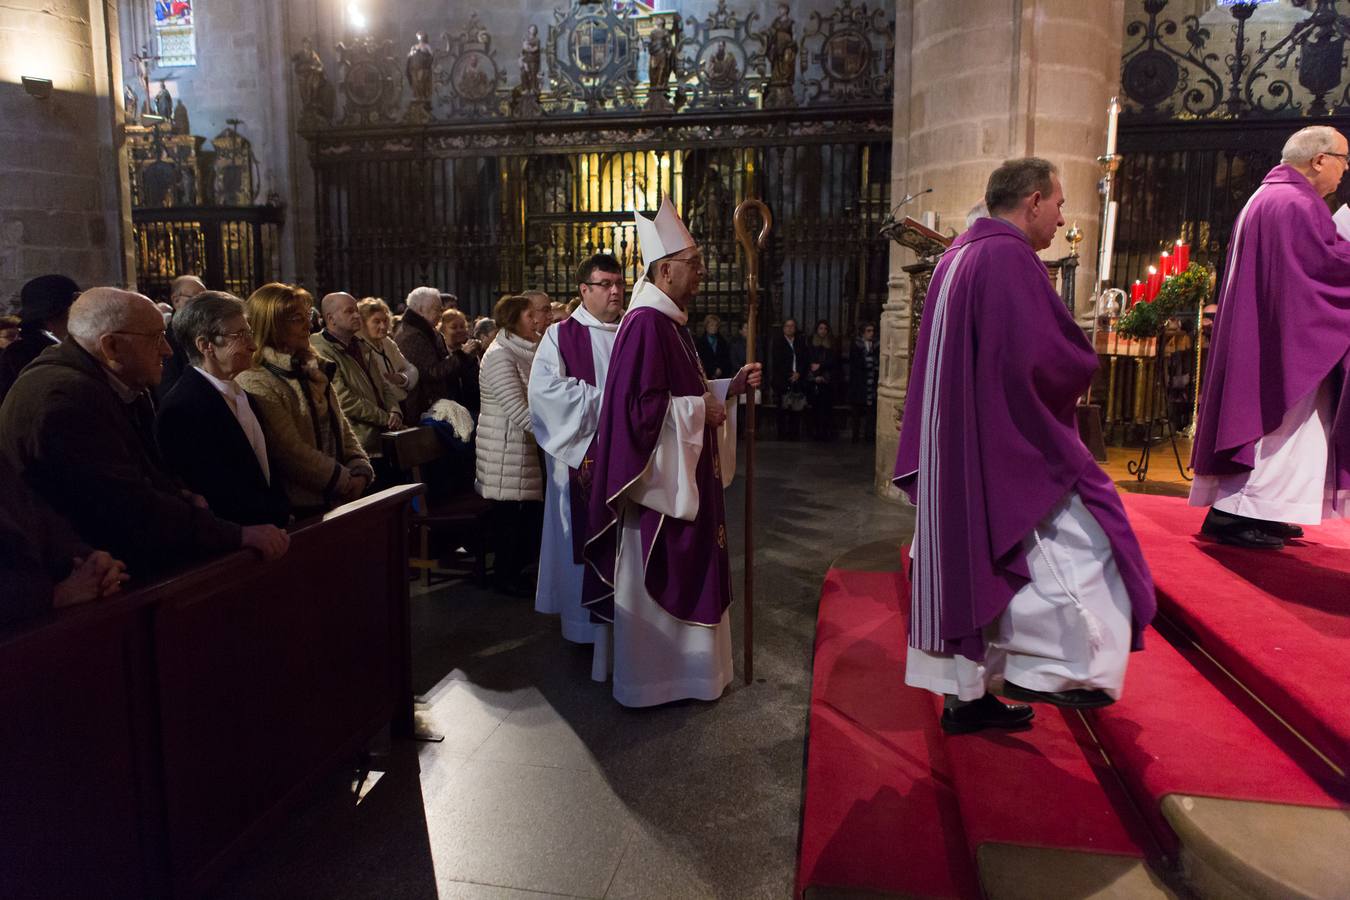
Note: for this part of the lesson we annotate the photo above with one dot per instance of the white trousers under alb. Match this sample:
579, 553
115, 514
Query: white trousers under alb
1290, 481
1043, 640
656, 658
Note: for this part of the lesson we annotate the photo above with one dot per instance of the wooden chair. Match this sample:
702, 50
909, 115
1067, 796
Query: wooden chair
461, 520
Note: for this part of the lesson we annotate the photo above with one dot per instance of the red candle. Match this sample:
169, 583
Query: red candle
1136, 292
1155, 279
1183, 256
1165, 265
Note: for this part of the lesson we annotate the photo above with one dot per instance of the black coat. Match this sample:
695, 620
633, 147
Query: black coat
781, 352
203, 443
37, 550
864, 367
174, 366
93, 459
716, 360
31, 342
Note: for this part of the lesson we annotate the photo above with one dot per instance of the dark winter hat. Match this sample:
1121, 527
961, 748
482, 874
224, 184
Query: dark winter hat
46, 297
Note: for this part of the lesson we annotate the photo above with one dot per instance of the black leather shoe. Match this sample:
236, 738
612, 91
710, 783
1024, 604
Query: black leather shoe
1240, 531
1282, 530
1075, 698
987, 712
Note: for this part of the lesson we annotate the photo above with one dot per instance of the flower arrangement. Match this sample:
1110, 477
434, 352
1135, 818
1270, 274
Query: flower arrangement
1180, 294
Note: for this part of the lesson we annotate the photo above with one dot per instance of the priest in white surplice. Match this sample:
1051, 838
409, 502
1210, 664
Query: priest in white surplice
566, 381
665, 449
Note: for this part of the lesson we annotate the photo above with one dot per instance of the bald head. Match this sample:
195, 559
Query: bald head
184, 288
341, 317
124, 331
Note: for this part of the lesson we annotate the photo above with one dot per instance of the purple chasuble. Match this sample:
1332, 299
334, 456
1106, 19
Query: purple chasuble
989, 442
687, 570
1283, 327
578, 358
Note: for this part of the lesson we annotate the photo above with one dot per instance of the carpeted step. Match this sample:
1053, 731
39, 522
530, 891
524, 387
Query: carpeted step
1277, 621
879, 817
1221, 781
1044, 815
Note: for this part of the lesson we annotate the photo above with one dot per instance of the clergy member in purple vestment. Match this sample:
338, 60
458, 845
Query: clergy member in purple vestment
1272, 446
1025, 570
566, 381
664, 452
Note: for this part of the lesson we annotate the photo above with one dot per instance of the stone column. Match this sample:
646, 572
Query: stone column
64, 203
983, 81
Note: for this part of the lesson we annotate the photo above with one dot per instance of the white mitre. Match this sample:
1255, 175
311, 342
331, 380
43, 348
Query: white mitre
664, 236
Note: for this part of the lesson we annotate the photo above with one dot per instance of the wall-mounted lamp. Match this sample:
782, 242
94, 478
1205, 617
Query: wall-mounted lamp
40, 88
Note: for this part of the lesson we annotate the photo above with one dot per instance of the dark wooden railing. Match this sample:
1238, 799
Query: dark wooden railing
147, 739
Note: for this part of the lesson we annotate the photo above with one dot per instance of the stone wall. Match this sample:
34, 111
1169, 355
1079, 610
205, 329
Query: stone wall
63, 196
987, 80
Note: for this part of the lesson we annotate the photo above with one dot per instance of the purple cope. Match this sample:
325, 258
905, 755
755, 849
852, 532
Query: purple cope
989, 442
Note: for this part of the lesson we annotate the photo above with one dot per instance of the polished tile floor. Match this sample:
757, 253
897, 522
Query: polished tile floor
544, 786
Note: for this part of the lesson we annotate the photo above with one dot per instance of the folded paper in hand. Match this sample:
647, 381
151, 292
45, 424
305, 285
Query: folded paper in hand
1342, 220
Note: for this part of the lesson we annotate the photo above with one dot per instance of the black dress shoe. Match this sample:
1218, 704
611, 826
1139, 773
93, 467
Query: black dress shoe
1074, 698
987, 712
1282, 530
1240, 531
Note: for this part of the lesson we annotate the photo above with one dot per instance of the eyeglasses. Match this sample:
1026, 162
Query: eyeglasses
295, 319
1343, 157
246, 333
695, 261
157, 335
604, 285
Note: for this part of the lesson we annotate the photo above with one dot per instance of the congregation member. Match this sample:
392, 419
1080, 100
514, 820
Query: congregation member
43, 563
507, 470
1025, 571
421, 345
454, 330
557, 312
539, 313
9, 331
78, 427
821, 369
366, 399
44, 305
484, 332
657, 534
713, 350
314, 451
1272, 447
449, 301
208, 428
864, 367
385, 358
181, 290
566, 383
790, 355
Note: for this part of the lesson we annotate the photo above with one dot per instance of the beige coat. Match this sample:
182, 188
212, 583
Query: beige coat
507, 456
314, 449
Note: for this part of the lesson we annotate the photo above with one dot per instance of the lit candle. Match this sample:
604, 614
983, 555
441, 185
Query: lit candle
1183, 256
1154, 283
1112, 115
1136, 291
1165, 264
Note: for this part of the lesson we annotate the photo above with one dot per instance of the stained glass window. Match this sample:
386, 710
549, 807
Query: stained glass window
175, 33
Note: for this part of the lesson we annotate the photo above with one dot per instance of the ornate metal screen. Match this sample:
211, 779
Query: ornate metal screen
450, 171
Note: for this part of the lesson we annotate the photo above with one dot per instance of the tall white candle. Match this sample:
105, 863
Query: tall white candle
1108, 243
1112, 115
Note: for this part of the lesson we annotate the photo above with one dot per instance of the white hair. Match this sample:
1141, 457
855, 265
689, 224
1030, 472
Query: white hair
1306, 143
977, 212
103, 310
423, 300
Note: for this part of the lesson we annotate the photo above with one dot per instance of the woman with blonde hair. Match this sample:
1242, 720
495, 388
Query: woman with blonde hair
315, 452
508, 469
376, 323
454, 330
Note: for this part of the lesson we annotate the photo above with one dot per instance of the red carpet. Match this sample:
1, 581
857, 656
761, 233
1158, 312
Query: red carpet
1278, 621
879, 811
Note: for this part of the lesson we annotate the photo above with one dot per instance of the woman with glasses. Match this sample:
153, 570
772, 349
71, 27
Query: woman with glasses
208, 428
317, 456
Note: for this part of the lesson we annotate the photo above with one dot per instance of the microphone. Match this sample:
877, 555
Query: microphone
909, 198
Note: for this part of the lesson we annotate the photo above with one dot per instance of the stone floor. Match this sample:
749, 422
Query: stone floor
544, 786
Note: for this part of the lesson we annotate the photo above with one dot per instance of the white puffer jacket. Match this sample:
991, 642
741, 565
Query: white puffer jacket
507, 456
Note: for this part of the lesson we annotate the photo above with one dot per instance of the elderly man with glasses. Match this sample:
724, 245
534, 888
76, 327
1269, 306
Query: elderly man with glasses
665, 451
209, 429
566, 382
77, 427
1272, 447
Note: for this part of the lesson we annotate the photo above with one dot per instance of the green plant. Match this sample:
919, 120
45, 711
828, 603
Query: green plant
1179, 295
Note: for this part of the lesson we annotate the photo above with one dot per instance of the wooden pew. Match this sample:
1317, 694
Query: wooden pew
148, 739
